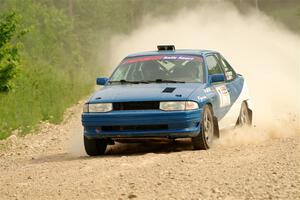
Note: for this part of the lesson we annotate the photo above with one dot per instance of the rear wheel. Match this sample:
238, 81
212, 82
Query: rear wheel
95, 147
244, 117
205, 138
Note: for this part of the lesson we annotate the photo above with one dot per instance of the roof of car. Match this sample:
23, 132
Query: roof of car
178, 51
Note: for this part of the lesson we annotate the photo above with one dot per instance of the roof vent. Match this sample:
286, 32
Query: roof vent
168, 90
165, 47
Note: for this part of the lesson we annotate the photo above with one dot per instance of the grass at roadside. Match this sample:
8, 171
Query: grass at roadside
40, 98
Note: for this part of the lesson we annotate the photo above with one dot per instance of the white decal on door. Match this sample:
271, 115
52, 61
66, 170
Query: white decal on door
224, 95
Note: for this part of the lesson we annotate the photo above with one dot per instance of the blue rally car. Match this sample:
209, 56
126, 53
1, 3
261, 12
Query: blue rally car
166, 93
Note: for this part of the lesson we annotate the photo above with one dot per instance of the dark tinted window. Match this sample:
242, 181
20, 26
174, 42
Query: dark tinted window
213, 65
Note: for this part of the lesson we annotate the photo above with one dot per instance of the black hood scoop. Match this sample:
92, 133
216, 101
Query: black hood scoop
168, 90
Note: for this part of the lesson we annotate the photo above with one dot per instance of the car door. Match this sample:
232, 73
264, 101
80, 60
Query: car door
221, 97
234, 85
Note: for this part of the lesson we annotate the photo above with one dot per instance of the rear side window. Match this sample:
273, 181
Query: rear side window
213, 65
229, 72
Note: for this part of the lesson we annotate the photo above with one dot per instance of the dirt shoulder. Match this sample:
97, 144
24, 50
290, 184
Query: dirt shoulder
51, 164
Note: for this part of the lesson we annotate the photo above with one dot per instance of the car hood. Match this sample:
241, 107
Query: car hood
145, 92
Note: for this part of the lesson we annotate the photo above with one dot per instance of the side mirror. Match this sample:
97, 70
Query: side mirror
214, 78
101, 81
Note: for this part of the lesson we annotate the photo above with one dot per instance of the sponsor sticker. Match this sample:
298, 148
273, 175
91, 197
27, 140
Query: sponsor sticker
162, 57
224, 95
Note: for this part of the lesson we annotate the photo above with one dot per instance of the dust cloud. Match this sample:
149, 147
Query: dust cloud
259, 48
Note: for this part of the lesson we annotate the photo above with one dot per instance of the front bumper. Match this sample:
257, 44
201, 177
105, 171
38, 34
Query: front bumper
148, 123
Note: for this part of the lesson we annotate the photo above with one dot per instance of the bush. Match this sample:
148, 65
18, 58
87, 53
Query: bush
9, 53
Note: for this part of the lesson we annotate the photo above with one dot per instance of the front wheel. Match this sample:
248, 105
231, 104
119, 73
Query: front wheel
205, 138
95, 147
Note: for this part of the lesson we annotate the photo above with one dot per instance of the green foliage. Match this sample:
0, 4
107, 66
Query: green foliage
288, 12
53, 74
285, 11
9, 53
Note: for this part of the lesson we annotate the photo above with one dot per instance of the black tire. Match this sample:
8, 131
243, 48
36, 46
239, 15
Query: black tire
205, 138
95, 147
245, 117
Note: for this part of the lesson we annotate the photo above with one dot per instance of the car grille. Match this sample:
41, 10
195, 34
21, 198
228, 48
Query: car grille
135, 128
142, 105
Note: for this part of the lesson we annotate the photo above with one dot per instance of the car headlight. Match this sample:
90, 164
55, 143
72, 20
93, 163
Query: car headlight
97, 107
178, 105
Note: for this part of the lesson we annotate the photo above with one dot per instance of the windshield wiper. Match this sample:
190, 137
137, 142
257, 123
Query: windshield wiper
167, 81
122, 81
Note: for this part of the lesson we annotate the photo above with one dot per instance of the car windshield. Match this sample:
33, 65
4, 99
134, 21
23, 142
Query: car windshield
161, 68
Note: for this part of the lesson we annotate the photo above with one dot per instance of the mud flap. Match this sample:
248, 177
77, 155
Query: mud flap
216, 127
250, 115
110, 142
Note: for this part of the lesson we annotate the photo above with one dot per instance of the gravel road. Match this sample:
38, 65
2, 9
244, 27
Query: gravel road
50, 164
